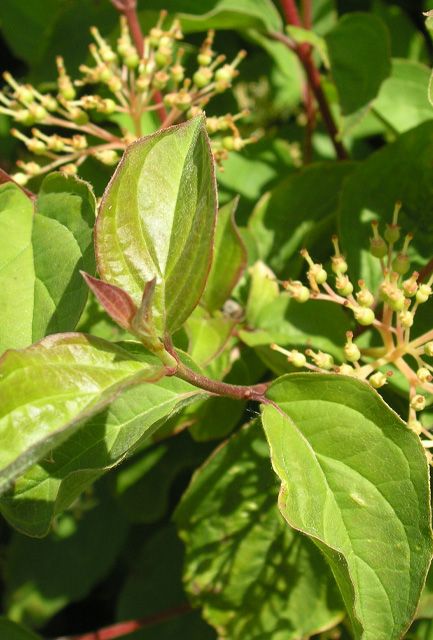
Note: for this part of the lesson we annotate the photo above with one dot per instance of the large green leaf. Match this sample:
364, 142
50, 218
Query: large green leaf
296, 213
229, 261
402, 102
222, 14
104, 440
355, 479
49, 389
41, 289
359, 51
254, 577
157, 220
400, 171
80, 551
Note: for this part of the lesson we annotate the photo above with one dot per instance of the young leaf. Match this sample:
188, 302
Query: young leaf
255, 578
116, 302
47, 390
157, 220
358, 76
229, 261
354, 479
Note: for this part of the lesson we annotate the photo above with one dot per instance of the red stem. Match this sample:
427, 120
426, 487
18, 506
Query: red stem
122, 629
129, 10
303, 51
5, 177
426, 271
236, 391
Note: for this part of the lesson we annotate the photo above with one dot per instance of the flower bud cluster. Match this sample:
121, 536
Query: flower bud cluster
390, 310
123, 81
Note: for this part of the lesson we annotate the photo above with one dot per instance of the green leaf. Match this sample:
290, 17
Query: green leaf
41, 289
229, 261
103, 441
13, 631
157, 220
222, 14
355, 479
402, 102
16, 267
81, 553
359, 51
49, 389
294, 214
399, 171
254, 577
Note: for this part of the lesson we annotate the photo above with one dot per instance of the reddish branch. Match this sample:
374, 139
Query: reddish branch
122, 629
303, 51
5, 177
129, 10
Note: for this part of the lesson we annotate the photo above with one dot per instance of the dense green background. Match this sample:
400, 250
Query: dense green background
114, 554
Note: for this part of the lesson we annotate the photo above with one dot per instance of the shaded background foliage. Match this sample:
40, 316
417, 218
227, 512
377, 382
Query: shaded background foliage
115, 555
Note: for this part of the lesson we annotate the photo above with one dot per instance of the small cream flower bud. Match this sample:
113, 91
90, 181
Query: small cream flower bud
351, 351
297, 290
428, 349
343, 285
406, 319
423, 374
322, 360
378, 380
364, 315
423, 293
364, 297
418, 402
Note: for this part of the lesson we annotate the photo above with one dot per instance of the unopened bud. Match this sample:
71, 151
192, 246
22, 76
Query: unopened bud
322, 360
401, 264
297, 290
418, 402
351, 351
343, 285
415, 425
395, 299
423, 374
428, 349
410, 286
297, 359
378, 246
345, 369
364, 315
339, 264
202, 77
406, 319
392, 233
423, 293
364, 297
107, 156
378, 380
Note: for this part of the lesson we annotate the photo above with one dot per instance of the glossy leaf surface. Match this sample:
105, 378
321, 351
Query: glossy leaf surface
355, 479
157, 220
47, 390
104, 440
